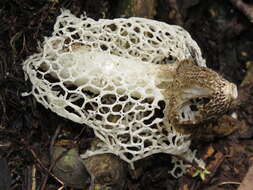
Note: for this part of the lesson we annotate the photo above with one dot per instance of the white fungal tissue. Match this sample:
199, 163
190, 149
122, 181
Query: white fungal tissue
107, 74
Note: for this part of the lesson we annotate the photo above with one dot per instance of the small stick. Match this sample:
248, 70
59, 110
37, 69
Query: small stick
33, 177
43, 167
246, 9
51, 146
229, 183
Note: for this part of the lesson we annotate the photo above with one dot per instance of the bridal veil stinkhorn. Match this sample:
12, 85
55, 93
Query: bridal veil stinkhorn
131, 80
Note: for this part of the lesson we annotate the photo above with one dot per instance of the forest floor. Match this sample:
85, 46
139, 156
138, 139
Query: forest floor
225, 37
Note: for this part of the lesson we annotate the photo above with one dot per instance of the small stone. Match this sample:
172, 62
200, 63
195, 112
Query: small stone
108, 171
69, 167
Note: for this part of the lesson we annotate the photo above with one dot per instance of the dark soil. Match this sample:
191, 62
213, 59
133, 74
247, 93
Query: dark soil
26, 128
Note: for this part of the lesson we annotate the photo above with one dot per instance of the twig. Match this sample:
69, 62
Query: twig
5, 145
33, 177
51, 146
84, 128
229, 183
55, 136
246, 9
43, 167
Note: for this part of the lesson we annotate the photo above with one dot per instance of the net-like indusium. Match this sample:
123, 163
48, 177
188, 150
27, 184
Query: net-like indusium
107, 74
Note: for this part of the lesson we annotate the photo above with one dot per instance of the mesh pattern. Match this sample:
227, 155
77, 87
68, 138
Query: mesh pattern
143, 39
104, 74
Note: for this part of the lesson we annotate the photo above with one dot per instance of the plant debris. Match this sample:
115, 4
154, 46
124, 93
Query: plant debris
220, 28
